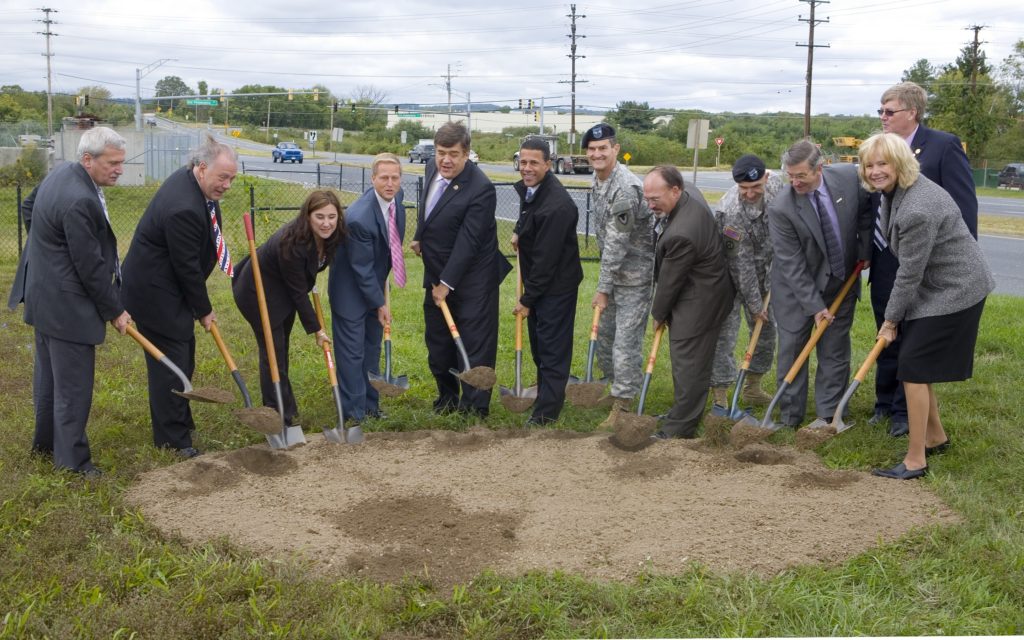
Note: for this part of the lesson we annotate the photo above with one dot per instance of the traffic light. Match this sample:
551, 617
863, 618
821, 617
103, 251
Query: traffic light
290, 95
353, 107
335, 107
531, 103
222, 95
520, 104
87, 99
396, 109
536, 117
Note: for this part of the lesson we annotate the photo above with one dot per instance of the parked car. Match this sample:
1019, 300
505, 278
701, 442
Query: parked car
1012, 176
287, 151
421, 153
474, 157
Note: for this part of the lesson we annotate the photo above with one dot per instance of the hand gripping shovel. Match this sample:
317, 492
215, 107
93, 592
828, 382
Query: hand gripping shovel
587, 392
338, 434
388, 385
204, 394
262, 419
837, 418
479, 377
734, 409
517, 399
633, 432
288, 436
767, 424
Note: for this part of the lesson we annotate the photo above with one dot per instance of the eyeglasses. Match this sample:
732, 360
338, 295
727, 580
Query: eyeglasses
888, 113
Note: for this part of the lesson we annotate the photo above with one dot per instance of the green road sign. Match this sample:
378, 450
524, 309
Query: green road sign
410, 115
208, 103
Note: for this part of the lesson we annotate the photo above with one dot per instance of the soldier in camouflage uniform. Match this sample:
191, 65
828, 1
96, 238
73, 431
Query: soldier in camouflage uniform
625, 236
742, 216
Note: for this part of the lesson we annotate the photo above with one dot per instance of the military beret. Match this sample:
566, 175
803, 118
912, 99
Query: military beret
748, 169
598, 132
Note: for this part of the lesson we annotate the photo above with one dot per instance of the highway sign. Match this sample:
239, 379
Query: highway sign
198, 102
410, 115
719, 140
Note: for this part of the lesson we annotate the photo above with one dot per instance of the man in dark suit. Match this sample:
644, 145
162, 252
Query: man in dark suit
457, 237
176, 245
69, 281
820, 226
359, 274
693, 295
944, 162
549, 253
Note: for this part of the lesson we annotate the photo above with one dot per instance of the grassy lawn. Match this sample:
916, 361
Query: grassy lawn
75, 562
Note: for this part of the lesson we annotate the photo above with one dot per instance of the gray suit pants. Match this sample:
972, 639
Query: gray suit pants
62, 392
833, 356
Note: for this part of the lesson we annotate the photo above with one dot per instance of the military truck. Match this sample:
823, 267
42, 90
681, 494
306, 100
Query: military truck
559, 163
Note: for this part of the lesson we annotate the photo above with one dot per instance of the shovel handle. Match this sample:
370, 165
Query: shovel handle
755, 336
820, 329
450, 320
223, 348
387, 305
261, 300
519, 317
159, 356
654, 349
332, 373
593, 325
880, 344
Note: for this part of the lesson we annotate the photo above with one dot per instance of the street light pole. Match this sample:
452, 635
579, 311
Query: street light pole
139, 75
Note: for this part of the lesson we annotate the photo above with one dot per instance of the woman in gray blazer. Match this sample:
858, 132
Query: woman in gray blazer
938, 295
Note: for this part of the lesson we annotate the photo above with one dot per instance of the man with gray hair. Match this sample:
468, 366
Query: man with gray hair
177, 244
820, 226
69, 281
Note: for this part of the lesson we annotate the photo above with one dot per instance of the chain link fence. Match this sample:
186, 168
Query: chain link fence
272, 197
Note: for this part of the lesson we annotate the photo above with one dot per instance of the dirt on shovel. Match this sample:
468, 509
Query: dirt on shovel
810, 438
585, 394
208, 394
743, 434
517, 404
387, 389
480, 377
633, 432
262, 419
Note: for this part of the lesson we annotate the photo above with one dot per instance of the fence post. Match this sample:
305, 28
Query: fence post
341, 177
20, 221
252, 208
243, 167
586, 227
318, 175
362, 181
419, 193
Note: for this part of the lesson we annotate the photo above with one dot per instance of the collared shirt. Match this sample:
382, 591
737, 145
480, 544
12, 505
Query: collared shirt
384, 206
910, 138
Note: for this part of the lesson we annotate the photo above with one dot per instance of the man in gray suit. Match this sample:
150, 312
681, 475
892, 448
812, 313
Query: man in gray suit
820, 226
69, 282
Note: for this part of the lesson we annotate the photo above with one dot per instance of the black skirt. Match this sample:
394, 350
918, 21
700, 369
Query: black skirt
940, 348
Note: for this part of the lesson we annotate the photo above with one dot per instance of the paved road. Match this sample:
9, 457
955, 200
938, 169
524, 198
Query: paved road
1006, 259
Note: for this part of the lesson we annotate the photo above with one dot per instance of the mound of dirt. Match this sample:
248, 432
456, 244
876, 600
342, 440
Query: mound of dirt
445, 505
585, 394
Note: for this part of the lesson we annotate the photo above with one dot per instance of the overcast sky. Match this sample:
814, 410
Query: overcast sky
737, 55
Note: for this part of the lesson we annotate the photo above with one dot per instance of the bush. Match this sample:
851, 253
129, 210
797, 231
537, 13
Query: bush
29, 169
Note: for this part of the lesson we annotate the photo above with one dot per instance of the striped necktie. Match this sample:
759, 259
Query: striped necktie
832, 246
395, 243
223, 255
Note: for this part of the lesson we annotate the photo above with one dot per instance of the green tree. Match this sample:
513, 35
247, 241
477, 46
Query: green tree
204, 89
171, 86
633, 116
1011, 72
922, 74
968, 102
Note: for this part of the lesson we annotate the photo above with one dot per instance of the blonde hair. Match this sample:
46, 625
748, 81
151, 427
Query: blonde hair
895, 151
382, 158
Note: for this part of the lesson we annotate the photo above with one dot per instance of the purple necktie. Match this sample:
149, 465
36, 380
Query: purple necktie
397, 259
442, 184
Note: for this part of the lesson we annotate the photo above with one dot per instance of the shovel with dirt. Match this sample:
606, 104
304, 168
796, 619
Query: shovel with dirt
479, 377
388, 385
734, 409
748, 428
820, 430
588, 392
287, 436
517, 399
633, 432
202, 394
338, 434
262, 419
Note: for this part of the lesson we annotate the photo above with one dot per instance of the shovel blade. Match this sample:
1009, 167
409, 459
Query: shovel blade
819, 423
276, 442
400, 381
333, 436
295, 436
841, 426
354, 435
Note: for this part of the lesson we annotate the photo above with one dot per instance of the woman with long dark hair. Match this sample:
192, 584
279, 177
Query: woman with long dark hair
289, 263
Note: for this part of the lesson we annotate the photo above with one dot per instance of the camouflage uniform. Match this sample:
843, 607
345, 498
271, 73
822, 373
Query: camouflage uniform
625, 236
745, 227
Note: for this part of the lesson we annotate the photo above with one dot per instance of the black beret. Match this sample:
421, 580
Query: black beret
598, 132
748, 168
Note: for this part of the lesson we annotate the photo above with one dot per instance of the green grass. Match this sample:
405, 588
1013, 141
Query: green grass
76, 562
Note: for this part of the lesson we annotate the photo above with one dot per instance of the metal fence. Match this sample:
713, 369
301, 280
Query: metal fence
273, 198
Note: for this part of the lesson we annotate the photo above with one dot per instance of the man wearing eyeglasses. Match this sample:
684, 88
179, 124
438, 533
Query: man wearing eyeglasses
820, 226
944, 162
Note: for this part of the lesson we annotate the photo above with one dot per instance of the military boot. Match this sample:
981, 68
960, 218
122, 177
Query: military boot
752, 392
720, 401
619, 405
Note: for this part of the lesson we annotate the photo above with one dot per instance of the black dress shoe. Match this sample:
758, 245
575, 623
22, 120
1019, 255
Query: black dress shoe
898, 428
880, 416
188, 452
937, 449
89, 473
377, 415
901, 472
660, 435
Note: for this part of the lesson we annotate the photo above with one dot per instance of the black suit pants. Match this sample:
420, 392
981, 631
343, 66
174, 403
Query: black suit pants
281, 335
62, 385
890, 398
170, 413
476, 318
550, 326
692, 361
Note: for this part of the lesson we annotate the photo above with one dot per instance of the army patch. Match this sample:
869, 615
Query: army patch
622, 216
732, 233
732, 237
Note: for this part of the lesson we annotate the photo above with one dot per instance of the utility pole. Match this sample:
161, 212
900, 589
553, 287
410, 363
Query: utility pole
448, 87
572, 35
49, 70
975, 48
811, 22
139, 75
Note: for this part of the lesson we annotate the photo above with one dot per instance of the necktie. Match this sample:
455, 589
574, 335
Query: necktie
223, 255
530, 194
106, 214
879, 234
832, 246
397, 259
442, 184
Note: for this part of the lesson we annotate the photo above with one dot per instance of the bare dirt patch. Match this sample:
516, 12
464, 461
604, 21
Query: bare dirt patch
446, 506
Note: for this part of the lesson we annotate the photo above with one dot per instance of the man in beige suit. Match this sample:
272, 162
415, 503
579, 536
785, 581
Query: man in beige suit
694, 293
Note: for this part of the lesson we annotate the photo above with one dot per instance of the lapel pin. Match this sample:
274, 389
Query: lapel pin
839, 199
917, 151
455, 186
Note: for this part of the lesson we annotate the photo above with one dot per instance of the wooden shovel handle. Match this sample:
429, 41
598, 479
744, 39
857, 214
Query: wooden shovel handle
755, 336
332, 373
880, 344
596, 321
654, 349
450, 320
150, 348
215, 332
387, 305
820, 329
261, 300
